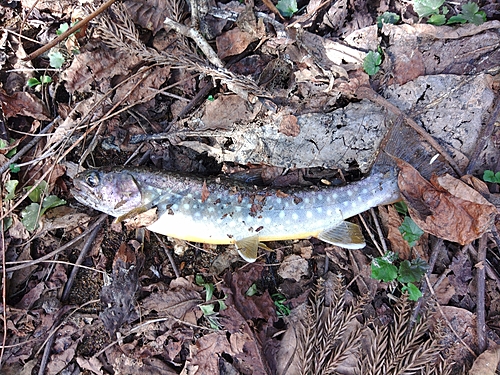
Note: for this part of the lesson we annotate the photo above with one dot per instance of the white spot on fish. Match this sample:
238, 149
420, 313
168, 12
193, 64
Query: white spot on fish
278, 200
319, 197
306, 200
232, 224
309, 214
197, 214
175, 206
295, 216
349, 192
364, 191
211, 209
360, 198
335, 195
189, 196
238, 208
249, 205
329, 212
267, 220
346, 203
319, 210
282, 214
354, 204
186, 206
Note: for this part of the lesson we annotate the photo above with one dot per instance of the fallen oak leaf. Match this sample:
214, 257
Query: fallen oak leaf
445, 207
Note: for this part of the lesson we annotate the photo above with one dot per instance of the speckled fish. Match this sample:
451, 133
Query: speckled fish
221, 211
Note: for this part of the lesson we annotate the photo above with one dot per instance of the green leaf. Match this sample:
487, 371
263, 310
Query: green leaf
222, 305
410, 231
50, 202
45, 79
36, 194
209, 288
425, 8
7, 223
437, 19
383, 269
199, 280
401, 207
252, 290
412, 272
371, 63
413, 292
30, 216
56, 59
387, 17
62, 28
208, 309
3, 144
490, 176
10, 186
32, 82
287, 8
14, 168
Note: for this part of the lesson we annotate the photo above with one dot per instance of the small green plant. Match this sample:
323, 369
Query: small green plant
32, 213
490, 176
410, 231
407, 273
5, 145
287, 8
436, 13
387, 17
372, 61
56, 58
282, 309
209, 309
44, 80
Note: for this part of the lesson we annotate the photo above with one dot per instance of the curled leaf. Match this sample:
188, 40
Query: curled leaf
445, 207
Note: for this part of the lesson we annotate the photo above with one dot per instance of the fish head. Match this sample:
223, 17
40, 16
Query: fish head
114, 192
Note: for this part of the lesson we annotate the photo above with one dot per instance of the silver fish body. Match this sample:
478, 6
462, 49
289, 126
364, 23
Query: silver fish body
221, 211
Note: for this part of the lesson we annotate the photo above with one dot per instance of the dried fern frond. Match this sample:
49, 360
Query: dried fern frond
398, 350
330, 333
119, 32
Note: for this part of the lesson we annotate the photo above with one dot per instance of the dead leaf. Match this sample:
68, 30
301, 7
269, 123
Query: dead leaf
289, 126
142, 220
487, 362
445, 207
391, 221
149, 14
23, 104
294, 267
205, 193
233, 42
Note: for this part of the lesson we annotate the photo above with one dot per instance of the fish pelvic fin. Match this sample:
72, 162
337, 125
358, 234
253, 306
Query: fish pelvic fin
347, 235
247, 248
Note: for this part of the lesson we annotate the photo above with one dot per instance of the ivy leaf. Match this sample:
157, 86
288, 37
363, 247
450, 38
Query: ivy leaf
252, 290
410, 231
56, 59
387, 17
287, 8
490, 176
437, 19
207, 309
401, 207
50, 202
412, 272
30, 216
36, 194
371, 63
413, 292
10, 186
425, 8
383, 269
470, 13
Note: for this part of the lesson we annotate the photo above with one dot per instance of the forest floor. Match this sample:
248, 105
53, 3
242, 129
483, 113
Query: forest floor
277, 94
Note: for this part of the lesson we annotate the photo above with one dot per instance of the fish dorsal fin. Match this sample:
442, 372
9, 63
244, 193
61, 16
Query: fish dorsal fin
247, 248
346, 234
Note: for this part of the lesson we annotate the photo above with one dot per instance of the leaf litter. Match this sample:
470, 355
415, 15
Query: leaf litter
280, 95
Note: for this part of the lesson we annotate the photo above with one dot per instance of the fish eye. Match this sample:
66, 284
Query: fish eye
92, 179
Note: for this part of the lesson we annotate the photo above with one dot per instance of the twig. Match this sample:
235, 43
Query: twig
481, 275
62, 248
379, 230
26, 148
170, 257
70, 31
432, 261
368, 93
446, 319
4, 291
83, 253
371, 235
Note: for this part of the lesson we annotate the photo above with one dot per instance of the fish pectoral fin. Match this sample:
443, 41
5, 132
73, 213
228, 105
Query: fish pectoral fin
134, 212
346, 234
247, 248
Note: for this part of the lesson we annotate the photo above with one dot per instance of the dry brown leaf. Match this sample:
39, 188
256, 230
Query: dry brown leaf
149, 14
487, 362
233, 42
445, 207
289, 126
391, 222
23, 104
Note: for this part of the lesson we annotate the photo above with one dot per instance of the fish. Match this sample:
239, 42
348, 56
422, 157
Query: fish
223, 211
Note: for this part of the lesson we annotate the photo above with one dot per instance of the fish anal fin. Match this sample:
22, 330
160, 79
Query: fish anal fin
247, 248
132, 213
347, 235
